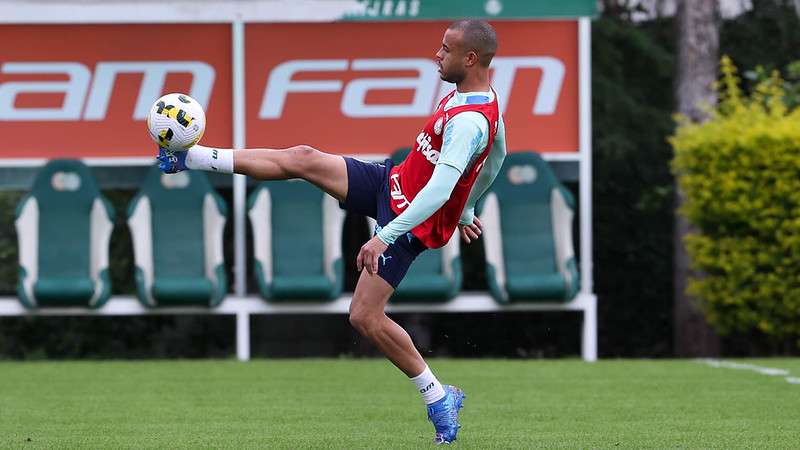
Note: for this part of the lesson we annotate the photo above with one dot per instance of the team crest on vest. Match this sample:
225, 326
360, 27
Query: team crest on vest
437, 127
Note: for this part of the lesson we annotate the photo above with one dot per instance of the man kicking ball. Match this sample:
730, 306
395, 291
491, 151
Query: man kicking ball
417, 204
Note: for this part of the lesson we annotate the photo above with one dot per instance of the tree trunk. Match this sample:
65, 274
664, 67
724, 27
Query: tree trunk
698, 55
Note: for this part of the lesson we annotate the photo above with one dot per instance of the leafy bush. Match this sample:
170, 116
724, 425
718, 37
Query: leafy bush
740, 172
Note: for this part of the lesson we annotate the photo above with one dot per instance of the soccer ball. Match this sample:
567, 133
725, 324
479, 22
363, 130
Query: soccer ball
176, 122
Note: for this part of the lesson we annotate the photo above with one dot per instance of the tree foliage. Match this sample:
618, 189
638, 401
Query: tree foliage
632, 77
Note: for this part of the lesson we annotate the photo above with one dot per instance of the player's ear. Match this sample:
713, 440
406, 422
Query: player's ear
472, 58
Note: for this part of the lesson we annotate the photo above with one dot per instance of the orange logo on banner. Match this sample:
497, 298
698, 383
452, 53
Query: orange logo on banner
368, 88
84, 90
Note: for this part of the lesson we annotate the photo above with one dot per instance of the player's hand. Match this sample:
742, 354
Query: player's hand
368, 255
472, 231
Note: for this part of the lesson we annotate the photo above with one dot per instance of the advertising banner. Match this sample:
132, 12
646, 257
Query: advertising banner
350, 88
368, 88
84, 90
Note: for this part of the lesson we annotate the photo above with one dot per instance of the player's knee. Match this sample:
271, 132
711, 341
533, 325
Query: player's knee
357, 320
361, 321
304, 151
304, 159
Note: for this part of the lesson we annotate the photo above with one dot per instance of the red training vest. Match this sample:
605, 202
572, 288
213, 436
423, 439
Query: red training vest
409, 177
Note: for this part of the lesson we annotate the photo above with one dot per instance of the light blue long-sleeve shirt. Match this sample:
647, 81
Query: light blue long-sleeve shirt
466, 136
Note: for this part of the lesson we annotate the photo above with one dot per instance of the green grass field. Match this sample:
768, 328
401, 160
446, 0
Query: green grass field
352, 404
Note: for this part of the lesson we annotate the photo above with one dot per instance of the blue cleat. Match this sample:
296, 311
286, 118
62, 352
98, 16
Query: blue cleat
170, 161
444, 415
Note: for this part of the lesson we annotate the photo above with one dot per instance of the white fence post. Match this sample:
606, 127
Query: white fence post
589, 341
243, 335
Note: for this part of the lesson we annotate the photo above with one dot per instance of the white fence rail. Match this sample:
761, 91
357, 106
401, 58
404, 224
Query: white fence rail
244, 307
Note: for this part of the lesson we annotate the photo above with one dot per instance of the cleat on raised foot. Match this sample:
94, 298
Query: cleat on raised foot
171, 161
444, 415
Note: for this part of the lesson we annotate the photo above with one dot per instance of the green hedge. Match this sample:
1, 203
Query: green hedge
740, 172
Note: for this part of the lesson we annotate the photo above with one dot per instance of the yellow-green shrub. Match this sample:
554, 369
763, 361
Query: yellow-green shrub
740, 174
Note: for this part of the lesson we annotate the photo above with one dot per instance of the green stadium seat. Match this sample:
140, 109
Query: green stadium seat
527, 217
176, 223
435, 276
63, 228
297, 241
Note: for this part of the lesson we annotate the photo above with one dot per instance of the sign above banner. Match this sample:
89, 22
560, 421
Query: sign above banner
475, 9
131, 11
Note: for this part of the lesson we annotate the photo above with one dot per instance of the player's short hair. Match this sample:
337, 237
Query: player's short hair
478, 36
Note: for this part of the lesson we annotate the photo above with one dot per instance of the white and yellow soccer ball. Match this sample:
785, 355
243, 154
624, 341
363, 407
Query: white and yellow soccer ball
176, 122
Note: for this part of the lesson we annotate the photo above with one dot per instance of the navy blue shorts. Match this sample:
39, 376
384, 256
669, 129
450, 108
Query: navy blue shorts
368, 195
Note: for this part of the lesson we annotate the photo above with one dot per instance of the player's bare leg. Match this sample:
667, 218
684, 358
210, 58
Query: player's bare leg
328, 172
368, 317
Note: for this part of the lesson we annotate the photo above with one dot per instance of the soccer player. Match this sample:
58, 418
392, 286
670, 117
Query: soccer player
418, 204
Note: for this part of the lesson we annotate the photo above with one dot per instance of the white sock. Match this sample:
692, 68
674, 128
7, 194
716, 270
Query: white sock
210, 159
428, 386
